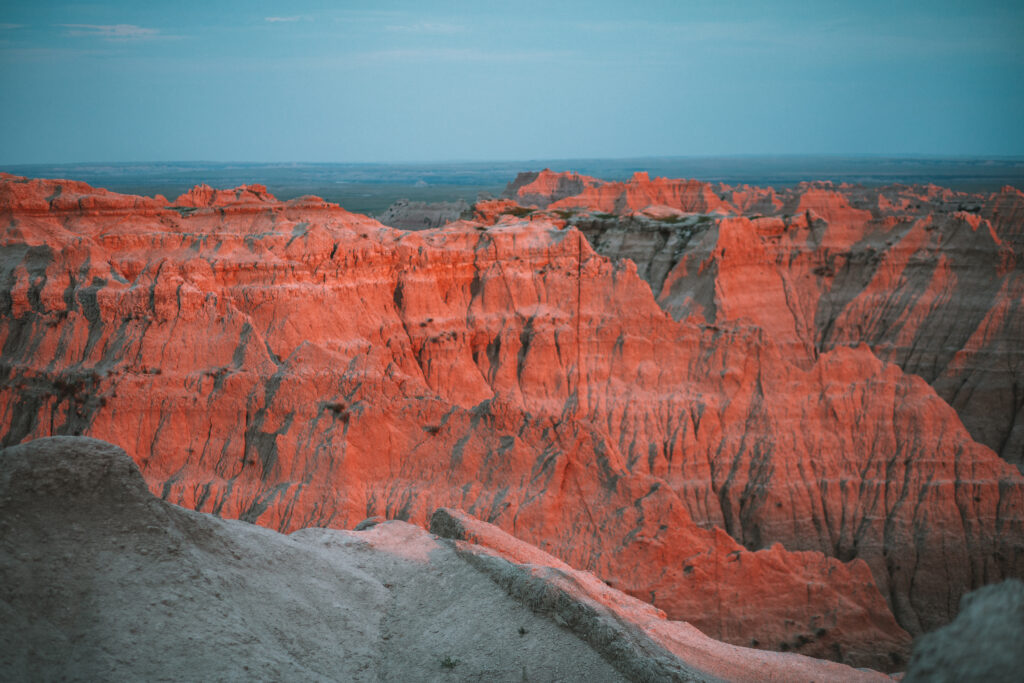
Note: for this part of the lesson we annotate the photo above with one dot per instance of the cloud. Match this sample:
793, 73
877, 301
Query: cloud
279, 20
461, 55
47, 54
426, 27
113, 32
10, 27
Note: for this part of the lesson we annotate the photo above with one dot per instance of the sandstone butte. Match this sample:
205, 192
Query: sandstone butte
294, 365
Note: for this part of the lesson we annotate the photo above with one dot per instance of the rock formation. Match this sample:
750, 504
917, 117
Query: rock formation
569, 191
156, 591
408, 215
295, 365
929, 278
982, 643
529, 188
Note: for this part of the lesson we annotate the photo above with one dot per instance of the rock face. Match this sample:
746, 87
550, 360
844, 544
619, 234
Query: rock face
929, 278
529, 188
982, 643
296, 365
569, 191
158, 592
407, 215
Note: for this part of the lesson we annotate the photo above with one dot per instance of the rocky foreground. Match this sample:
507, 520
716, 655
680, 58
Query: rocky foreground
99, 580
295, 365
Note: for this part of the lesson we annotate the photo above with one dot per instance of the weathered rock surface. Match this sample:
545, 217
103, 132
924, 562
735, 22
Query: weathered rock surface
982, 644
408, 215
296, 365
99, 580
569, 191
158, 592
530, 188
930, 279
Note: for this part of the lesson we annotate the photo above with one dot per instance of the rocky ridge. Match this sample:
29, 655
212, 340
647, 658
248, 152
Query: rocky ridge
928, 278
408, 215
295, 365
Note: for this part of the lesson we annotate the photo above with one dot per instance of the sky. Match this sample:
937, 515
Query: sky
422, 81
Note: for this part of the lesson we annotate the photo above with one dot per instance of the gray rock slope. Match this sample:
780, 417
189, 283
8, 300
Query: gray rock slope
984, 643
100, 580
408, 215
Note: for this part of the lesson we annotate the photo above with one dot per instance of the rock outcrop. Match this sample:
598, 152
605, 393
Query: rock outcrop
929, 278
296, 365
546, 186
407, 215
982, 643
156, 591
571, 192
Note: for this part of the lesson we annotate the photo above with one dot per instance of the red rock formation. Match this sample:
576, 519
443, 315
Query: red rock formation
46, 197
751, 200
545, 187
569, 191
929, 278
295, 365
492, 210
206, 196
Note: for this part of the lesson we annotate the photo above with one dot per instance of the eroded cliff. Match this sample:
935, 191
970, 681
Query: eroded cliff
928, 278
293, 364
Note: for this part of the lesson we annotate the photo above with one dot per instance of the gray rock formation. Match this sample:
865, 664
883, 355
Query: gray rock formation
984, 643
409, 215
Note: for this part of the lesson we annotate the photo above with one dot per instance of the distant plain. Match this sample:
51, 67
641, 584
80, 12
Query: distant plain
371, 188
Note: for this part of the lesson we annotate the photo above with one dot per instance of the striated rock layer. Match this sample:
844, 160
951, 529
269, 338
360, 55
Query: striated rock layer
409, 215
296, 365
930, 279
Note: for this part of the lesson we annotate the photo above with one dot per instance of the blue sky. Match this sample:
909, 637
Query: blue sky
430, 81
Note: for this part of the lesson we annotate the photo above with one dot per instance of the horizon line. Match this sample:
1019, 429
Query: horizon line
672, 157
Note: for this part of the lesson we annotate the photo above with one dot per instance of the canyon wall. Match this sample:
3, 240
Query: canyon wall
295, 365
928, 278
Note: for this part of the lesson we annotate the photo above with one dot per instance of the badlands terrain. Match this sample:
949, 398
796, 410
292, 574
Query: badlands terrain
156, 592
790, 418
